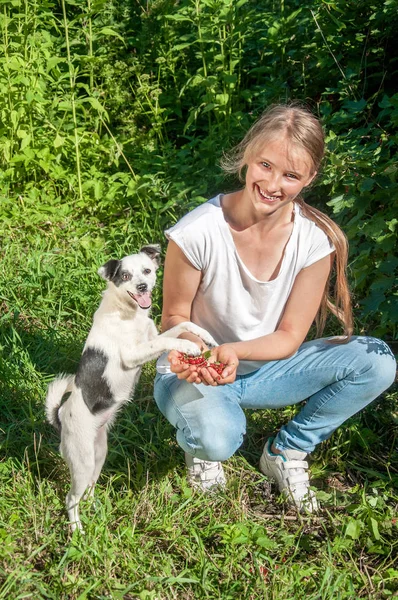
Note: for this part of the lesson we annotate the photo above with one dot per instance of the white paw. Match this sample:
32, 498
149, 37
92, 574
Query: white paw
187, 347
203, 334
208, 339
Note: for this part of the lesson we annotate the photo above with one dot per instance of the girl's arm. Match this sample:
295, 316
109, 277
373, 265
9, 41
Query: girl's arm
180, 284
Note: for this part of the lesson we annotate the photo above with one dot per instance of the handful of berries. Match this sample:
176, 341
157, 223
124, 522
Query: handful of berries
202, 361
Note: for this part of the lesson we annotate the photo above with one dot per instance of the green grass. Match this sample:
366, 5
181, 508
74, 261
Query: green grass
148, 535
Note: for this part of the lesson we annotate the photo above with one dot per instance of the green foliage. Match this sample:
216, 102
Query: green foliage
118, 112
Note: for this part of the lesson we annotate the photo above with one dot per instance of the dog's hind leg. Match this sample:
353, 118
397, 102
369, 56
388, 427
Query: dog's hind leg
81, 462
100, 452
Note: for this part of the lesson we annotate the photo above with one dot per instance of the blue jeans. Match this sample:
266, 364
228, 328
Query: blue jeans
337, 380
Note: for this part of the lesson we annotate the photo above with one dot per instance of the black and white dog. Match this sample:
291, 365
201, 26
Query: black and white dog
122, 338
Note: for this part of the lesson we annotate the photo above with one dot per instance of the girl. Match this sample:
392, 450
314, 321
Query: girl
253, 268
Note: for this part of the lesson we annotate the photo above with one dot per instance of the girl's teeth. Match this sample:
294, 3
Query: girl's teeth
265, 196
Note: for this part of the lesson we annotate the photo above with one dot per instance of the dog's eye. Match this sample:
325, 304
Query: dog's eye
147, 271
126, 277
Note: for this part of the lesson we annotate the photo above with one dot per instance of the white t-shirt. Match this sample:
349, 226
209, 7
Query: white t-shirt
230, 303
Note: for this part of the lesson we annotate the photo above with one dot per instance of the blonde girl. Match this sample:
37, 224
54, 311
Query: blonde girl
253, 267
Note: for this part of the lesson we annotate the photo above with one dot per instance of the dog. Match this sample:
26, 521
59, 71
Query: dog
122, 338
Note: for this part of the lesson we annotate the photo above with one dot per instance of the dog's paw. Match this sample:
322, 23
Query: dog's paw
187, 347
200, 332
204, 335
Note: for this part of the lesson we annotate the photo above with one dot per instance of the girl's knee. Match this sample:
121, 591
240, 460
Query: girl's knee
218, 439
376, 362
220, 448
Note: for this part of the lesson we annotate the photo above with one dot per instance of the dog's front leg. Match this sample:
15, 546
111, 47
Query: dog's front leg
188, 327
142, 353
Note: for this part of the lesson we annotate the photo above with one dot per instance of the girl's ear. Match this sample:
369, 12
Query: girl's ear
311, 178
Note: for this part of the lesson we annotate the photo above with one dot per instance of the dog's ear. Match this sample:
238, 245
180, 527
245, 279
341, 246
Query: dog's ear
109, 269
153, 251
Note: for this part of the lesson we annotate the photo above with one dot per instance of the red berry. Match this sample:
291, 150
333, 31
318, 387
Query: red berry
202, 361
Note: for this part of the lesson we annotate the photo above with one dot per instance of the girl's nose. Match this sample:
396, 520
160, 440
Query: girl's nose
274, 183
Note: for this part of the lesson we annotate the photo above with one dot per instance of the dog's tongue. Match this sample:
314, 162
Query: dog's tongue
144, 300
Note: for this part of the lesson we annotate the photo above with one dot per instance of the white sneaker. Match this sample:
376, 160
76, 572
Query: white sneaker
290, 472
204, 474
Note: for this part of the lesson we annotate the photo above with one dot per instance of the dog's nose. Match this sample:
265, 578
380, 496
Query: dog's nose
142, 287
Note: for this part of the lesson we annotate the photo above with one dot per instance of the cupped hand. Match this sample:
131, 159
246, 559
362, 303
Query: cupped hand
220, 354
183, 370
207, 375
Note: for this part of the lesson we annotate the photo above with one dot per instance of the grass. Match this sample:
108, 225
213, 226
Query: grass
148, 535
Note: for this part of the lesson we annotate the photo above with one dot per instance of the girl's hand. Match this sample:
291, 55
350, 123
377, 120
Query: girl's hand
183, 370
222, 354
206, 375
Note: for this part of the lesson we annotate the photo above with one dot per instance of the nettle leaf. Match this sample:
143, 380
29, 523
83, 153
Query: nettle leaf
111, 32
180, 47
373, 301
230, 78
353, 529
178, 17
59, 141
385, 102
53, 61
389, 265
374, 528
337, 203
14, 117
366, 184
354, 106
26, 141
208, 107
222, 99
266, 542
96, 104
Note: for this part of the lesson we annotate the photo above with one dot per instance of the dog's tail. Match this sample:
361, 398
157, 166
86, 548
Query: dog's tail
56, 390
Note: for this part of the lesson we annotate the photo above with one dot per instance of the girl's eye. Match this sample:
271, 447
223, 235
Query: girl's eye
147, 271
291, 175
126, 277
265, 164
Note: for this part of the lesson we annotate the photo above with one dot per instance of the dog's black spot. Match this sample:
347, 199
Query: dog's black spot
118, 278
153, 251
112, 270
90, 379
116, 274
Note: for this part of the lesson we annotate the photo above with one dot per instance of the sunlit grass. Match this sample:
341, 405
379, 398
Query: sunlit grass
147, 534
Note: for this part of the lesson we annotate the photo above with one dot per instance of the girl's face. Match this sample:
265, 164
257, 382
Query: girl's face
276, 175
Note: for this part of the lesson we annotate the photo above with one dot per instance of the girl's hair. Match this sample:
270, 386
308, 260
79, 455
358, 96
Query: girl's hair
302, 129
